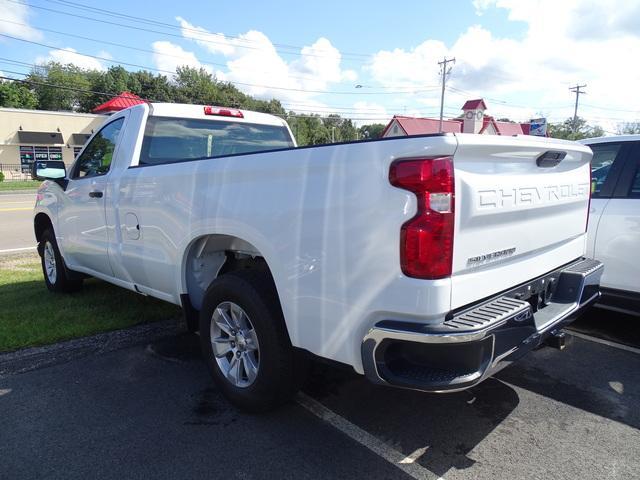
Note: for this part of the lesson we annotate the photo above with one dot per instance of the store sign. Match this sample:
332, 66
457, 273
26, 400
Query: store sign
55, 153
42, 153
26, 159
538, 127
30, 154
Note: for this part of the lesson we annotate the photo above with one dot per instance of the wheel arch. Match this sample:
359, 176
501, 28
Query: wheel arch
41, 222
210, 255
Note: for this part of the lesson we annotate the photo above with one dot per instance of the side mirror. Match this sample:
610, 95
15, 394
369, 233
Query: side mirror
48, 170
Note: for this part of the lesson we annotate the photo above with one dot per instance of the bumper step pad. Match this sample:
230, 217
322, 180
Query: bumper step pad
492, 313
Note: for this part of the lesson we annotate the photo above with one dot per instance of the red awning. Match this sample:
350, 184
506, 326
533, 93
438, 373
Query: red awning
122, 101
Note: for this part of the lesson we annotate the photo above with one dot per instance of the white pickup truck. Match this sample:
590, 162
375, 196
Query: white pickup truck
426, 262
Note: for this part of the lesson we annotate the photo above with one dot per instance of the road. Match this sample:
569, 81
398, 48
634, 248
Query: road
151, 411
16, 225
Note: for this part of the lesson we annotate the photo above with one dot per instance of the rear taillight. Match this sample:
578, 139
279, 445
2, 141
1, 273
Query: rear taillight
426, 241
223, 112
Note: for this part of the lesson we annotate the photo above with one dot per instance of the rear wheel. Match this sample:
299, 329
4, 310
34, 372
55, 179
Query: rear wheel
56, 275
245, 343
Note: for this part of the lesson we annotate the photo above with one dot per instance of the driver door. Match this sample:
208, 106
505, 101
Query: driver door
83, 219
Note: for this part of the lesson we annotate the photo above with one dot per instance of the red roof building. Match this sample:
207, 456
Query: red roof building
477, 104
473, 121
115, 104
401, 125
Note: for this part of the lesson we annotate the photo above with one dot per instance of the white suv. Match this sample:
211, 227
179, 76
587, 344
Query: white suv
614, 220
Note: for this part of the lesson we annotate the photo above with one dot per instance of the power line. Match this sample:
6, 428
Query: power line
269, 87
103, 21
460, 92
82, 90
145, 50
609, 108
53, 85
300, 107
288, 115
207, 63
352, 114
148, 21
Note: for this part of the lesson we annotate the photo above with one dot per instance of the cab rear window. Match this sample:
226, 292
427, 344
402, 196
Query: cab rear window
170, 140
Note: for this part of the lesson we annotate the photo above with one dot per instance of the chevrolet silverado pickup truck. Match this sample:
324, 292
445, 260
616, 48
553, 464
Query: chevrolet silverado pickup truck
426, 262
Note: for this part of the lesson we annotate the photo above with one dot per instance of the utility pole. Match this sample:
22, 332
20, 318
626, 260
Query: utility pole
333, 134
577, 90
444, 70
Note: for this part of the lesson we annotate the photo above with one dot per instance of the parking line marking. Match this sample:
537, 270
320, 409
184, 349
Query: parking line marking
10, 250
414, 456
602, 341
15, 209
405, 463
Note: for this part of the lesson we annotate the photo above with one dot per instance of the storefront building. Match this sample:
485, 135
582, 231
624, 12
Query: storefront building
28, 135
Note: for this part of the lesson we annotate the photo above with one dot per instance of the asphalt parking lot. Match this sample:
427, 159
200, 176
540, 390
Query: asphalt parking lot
150, 410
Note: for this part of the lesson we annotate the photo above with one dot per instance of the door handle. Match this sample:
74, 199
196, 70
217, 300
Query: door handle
95, 194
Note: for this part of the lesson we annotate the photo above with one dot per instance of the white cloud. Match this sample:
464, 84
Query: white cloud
168, 56
216, 43
70, 55
17, 13
369, 112
255, 66
563, 43
105, 54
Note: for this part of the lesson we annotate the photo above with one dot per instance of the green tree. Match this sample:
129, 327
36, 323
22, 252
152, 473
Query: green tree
60, 87
274, 107
196, 85
570, 131
369, 132
155, 88
347, 131
17, 95
629, 128
112, 82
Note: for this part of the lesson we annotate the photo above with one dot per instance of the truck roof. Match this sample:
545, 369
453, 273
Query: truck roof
184, 110
610, 138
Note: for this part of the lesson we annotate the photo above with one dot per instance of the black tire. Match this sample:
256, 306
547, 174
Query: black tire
278, 373
62, 279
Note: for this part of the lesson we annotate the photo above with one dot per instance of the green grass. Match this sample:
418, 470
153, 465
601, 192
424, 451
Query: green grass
31, 315
19, 185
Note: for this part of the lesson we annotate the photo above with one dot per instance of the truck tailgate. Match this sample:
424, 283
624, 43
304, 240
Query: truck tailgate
515, 219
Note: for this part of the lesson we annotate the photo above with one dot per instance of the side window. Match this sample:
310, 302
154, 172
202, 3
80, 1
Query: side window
604, 155
96, 157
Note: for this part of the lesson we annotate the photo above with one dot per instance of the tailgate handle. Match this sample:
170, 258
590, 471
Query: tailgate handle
550, 158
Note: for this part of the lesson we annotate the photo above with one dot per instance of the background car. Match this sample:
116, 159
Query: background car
614, 219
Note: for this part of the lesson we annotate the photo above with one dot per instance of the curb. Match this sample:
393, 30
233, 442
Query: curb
18, 252
18, 192
33, 358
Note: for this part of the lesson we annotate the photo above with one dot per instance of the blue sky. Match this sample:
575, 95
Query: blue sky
520, 56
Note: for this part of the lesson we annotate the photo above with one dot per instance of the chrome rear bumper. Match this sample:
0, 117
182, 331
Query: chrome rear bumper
477, 341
